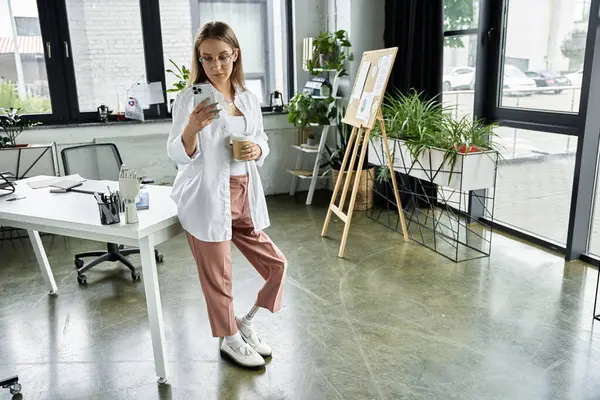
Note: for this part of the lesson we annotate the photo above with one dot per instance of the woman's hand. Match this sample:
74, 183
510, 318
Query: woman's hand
251, 152
202, 115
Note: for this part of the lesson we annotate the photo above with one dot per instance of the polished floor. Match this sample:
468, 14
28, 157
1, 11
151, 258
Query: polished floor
390, 321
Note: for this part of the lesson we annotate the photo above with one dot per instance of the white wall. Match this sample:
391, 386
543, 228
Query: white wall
310, 19
143, 147
367, 22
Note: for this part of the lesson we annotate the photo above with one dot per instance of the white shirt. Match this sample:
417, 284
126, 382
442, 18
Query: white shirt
237, 125
201, 188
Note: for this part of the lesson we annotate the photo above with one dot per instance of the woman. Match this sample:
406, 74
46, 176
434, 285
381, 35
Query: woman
219, 199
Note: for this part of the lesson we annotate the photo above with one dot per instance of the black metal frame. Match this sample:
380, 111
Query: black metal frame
7, 184
434, 218
490, 55
62, 82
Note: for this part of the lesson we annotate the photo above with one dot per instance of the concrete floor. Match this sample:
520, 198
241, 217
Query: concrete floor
391, 321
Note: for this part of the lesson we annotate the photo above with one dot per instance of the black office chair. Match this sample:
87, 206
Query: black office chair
100, 161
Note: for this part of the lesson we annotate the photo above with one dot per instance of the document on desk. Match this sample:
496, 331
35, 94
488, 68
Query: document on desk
42, 183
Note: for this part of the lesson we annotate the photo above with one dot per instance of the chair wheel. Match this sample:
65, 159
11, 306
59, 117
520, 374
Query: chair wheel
15, 389
78, 263
159, 258
82, 279
135, 276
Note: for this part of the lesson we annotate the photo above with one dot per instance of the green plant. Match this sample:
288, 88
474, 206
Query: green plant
304, 110
29, 105
181, 73
8, 94
12, 124
425, 124
328, 52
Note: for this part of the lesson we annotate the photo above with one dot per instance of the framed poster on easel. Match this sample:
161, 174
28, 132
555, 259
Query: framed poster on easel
363, 111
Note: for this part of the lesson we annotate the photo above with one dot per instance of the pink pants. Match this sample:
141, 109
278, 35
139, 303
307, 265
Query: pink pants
213, 260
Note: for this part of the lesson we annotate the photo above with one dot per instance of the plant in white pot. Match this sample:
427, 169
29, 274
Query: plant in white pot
428, 143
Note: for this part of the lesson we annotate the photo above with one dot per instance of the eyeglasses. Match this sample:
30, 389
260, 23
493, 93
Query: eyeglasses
223, 60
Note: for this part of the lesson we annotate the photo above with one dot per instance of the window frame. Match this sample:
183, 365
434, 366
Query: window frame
268, 76
60, 70
583, 125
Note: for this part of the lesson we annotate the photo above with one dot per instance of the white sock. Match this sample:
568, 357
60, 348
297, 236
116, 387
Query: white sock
234, 341
247, 320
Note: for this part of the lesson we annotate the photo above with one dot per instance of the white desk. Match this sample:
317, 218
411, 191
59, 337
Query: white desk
76, 215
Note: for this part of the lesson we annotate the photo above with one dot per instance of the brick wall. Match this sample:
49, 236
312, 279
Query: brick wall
177, 36
107, 46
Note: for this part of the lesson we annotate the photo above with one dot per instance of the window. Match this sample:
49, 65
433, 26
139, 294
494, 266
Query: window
535, 181
107, 51
460, 14
459, 82
27, 26
551, 39
460, 55
62, 60
23, 78
259, 25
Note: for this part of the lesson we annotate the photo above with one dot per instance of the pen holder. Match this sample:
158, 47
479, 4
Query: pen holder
109, 213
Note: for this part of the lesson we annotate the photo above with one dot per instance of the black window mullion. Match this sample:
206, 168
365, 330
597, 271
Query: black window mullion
68, 69
153, 52
551, 122
53, 61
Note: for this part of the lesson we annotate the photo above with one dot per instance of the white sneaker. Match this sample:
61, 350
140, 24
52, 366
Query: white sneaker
250, 337
244, 355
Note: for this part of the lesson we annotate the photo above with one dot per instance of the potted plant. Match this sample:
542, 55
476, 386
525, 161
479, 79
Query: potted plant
12, 124
304, 110
329, 52
426, 142
310, 140
364, 198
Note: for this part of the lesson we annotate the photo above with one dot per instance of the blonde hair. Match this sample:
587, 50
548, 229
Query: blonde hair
220, 31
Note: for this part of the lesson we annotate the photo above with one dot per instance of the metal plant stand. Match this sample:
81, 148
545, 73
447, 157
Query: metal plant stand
437, 217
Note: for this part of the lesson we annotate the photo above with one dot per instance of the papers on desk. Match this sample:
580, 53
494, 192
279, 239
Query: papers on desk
42, 183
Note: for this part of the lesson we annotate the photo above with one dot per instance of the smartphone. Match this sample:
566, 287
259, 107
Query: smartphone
203, 92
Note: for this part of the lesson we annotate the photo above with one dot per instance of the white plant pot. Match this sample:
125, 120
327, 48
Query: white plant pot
472, 171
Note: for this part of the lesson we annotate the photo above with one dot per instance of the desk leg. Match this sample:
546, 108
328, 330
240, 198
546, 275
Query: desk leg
40, 255
155, 315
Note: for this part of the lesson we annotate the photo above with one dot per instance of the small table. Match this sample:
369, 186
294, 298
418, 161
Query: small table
76, 215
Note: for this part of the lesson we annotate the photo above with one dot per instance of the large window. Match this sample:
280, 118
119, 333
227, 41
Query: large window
260, 26
460, 55
543, 54
535, 182
63, 59
23, 78
107, 52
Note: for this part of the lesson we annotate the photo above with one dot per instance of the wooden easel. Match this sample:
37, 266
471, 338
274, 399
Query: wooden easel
361, 132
